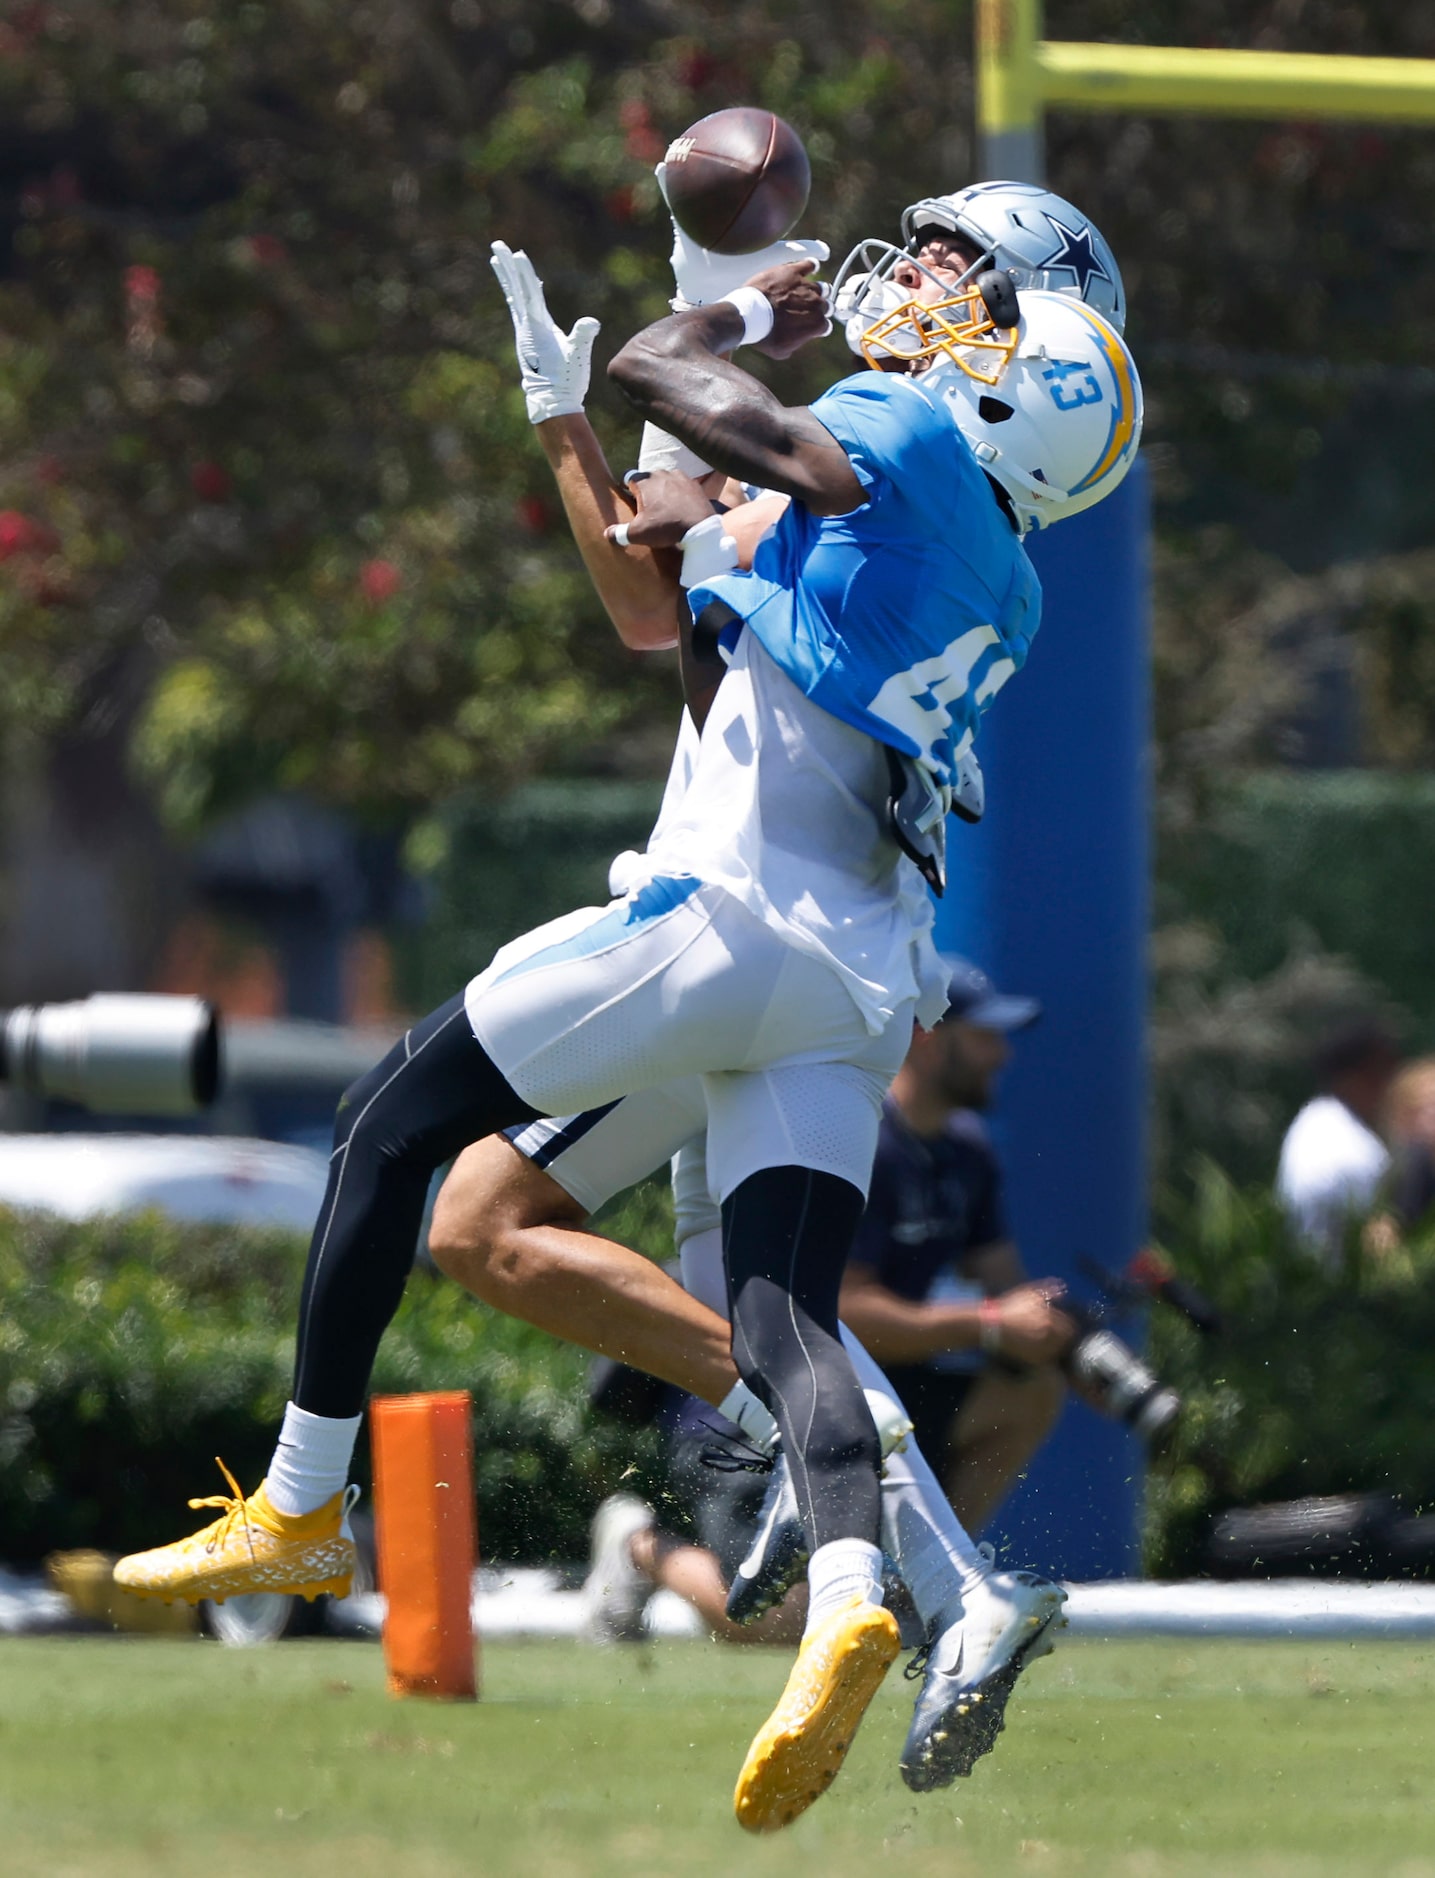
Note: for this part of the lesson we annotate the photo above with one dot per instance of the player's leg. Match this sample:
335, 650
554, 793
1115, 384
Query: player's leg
435, 1091
787, 1228
983, 1626
790, 1150
510, 1225
570, 1016
509, 1232
695, 1573
919, 1529
935, 1556
781, 1226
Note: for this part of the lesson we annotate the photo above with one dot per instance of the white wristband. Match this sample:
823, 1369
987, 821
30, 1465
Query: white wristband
707, 552
756, 311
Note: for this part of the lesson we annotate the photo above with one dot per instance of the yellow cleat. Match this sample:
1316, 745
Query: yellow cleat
799, 1751
251, 1547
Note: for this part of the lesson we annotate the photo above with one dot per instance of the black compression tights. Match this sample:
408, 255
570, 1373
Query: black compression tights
786, 1235
435, 1092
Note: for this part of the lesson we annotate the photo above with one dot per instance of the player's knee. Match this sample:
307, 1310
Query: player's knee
356, 1104
490, 1220
464, 1241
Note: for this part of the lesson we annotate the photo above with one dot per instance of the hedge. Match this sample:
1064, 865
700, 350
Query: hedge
1321, 1382
496, 868
133, 1351
1343, 856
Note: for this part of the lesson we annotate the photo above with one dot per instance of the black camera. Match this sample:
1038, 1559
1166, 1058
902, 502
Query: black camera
1113, 1378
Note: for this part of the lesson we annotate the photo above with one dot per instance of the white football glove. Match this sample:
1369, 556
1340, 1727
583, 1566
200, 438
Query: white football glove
555, 365
702, 277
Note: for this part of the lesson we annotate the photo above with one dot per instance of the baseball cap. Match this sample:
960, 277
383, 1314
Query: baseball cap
976, 1000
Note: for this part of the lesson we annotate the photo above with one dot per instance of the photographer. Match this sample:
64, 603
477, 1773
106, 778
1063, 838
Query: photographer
935, 1287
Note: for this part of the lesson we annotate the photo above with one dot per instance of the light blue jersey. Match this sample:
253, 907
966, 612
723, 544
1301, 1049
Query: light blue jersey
906, 617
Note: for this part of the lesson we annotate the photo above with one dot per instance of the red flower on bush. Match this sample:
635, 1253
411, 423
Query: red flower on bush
267, 250
379, 581
640, 139
142, 285
33, 546
143, 321
696, 69
22, 534
211, 482
531, 512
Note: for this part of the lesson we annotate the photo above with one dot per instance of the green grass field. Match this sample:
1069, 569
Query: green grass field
1145, 1760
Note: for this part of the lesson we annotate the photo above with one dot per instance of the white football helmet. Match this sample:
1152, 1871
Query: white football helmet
1039, 237
1060, 425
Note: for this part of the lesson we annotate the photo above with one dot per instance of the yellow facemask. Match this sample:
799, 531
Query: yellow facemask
960, 329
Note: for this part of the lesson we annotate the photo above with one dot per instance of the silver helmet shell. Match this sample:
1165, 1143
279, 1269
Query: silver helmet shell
1040, 238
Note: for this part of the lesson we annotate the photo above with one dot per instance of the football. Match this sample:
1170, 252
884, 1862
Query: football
737, 181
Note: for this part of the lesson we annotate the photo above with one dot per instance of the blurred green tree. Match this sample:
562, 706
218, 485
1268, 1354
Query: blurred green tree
265, 480
265, 485
269, 512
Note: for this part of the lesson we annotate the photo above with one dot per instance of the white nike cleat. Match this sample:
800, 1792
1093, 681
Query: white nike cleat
777, 1557
1008, 1620
615, 1592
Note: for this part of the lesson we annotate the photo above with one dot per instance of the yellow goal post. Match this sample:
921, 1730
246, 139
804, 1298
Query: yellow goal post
1020, 74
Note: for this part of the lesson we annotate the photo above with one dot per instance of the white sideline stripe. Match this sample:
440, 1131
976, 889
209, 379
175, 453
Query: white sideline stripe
528, 1602
1304, 1608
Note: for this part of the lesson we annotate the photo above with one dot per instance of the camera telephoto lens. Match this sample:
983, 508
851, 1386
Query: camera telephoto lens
1122, 1386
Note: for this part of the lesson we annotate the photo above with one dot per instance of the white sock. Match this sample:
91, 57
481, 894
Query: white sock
839, 1571
740, 1405
935, 1555
311, 1461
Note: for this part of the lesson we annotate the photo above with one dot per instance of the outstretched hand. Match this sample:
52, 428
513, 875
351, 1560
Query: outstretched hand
555, 365
669, 504
801, 306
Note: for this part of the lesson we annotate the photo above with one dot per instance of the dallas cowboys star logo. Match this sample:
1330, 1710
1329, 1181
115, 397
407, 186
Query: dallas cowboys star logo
1076, 255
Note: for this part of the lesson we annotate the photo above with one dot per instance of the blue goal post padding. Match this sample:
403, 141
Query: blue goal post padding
1050, 894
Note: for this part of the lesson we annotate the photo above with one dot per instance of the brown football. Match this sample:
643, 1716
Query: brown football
738, 180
